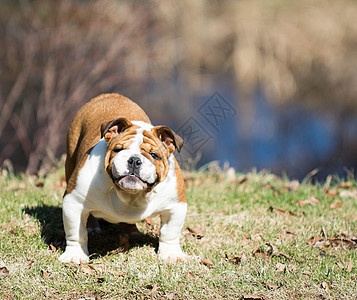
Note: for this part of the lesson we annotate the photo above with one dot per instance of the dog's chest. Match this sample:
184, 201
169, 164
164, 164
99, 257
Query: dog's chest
102, 199
111, 207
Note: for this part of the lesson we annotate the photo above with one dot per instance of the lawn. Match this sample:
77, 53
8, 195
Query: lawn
250, 236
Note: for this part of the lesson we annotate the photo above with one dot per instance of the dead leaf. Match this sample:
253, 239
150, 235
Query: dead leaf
123, 243
312, 200
341, 266
97, 268
170, 296
153, 293
314, 239
4, 272
44, 274
325, 286
260, 253
30, 264
292, 267
14, 232
266, 185
323, 253
39, 184
336, 204
100, 279
254, 297
207, 262
149, 224
53, 248
331, 192
322, 244
117, 273
235, 260
258, 236
349, 194
338, 240
284, 255
280, 267
268, 285
341, 235
189, 275
346, 184
246, 236
198, 233
347, 243
86, 269
293, 185
349, 267
272, 249
281, 211
242, 180
288, 234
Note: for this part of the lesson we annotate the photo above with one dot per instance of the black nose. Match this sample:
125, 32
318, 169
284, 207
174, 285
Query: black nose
134, 162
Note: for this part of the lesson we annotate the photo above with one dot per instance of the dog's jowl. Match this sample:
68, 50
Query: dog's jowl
121, 168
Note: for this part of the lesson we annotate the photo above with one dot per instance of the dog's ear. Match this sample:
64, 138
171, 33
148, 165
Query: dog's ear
169, 138
112, 128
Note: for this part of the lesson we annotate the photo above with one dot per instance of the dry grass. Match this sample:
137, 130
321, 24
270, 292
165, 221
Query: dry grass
256, 240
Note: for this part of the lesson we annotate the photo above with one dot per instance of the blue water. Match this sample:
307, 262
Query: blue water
288, 140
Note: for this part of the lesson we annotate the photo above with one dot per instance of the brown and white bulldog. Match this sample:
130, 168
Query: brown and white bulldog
121, 168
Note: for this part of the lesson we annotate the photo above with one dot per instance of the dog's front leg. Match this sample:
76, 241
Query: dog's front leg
171, 225
75, 221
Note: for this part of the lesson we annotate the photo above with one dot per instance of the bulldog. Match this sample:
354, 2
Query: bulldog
121, 168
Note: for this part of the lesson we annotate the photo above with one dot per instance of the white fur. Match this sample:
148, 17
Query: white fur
94, 194
120, 165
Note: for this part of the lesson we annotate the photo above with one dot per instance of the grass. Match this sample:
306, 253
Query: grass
256, 243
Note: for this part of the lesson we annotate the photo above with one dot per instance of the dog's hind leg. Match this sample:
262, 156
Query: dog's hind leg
93, 225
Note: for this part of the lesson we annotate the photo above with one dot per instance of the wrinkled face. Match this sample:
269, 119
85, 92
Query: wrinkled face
137, 154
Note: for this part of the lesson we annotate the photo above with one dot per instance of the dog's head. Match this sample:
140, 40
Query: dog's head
137, 153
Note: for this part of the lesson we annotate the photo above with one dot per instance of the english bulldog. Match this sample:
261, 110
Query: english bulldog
121, 168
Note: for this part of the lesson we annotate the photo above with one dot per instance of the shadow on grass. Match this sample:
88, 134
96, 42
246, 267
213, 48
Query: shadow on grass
52, 232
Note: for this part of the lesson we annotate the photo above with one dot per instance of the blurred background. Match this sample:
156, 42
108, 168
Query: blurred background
249, 83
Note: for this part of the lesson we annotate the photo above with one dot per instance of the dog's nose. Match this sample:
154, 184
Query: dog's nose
134, 162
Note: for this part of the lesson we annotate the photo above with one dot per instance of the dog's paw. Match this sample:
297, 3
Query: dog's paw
171, 253
74, 255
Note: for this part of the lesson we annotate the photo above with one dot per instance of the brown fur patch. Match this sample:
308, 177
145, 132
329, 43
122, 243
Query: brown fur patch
181, 189
151, 143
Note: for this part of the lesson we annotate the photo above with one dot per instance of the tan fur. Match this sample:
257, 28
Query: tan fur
84, 131
181, 189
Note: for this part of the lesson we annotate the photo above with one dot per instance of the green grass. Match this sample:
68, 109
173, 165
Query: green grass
238, 214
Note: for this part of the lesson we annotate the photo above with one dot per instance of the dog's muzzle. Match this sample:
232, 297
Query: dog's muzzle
134, 165
131, 181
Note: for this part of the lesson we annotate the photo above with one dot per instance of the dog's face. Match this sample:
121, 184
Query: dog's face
137, 154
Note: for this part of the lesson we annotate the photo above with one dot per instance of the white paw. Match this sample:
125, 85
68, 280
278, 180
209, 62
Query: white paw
171, 253
74, 254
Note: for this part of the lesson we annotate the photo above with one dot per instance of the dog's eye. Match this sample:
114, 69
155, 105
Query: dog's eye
154, 156
116, 150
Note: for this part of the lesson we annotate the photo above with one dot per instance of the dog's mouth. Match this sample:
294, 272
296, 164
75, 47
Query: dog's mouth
131, 183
